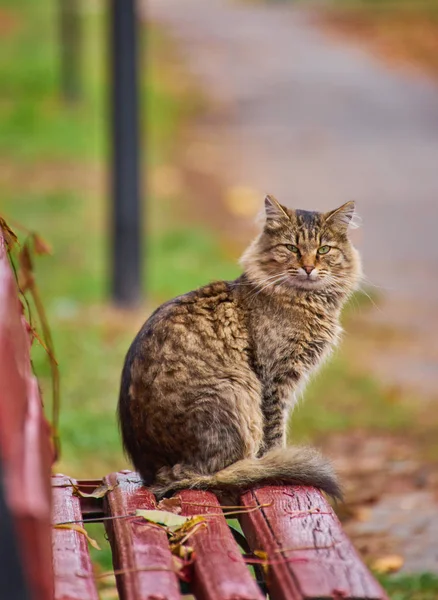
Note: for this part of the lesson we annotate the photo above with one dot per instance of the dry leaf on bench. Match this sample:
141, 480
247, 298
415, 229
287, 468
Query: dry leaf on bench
172, 505
79, 529
99, 492
163, 517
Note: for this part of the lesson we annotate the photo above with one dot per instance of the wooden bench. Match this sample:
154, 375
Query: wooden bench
291, 534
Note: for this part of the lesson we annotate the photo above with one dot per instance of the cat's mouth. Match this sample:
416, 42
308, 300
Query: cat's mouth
308, 282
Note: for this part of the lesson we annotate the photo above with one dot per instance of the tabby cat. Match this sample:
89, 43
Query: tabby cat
209, 380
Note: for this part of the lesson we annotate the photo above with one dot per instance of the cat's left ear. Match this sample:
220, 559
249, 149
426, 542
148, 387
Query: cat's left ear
274, 210
341, 217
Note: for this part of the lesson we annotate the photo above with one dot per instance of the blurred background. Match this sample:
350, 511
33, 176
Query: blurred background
315, 102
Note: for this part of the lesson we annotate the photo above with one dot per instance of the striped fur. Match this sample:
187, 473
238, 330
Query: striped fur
209, 380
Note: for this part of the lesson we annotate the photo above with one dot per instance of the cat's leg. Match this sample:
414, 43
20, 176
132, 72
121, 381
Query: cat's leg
274, 427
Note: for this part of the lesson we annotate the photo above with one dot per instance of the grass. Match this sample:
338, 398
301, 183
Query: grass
411, 587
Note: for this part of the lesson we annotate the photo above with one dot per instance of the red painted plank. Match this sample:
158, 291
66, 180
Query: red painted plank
74, 578
138, 545
24, 440
219, 570
311, 555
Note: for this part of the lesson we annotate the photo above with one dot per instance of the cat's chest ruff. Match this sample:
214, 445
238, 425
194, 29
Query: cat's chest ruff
290, 346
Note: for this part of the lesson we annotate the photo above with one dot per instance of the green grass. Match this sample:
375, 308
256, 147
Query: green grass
410, 587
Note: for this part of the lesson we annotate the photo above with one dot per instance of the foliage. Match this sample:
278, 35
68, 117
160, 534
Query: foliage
411, 587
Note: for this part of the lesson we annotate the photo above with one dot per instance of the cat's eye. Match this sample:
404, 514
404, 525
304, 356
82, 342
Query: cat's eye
292, 248
323, 249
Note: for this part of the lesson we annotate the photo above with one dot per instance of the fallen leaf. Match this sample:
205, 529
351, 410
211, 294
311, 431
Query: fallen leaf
265, 564
183, 552
9, 236
99, 492
110, 593
163, 517
79, 529
182, 533
388, 564
170, 504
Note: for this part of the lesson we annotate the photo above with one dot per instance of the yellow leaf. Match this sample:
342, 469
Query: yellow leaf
79, 529
183, 552
110, 593
163, 517
388, 564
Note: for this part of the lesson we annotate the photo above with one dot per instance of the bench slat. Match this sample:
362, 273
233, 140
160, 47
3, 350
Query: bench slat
311, 555
219, 570
72, 566
138, 545
25, 447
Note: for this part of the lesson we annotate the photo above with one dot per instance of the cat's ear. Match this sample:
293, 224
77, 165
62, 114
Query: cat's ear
341, 217
273, 209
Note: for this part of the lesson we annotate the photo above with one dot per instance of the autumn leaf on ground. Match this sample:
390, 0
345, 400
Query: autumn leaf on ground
79, 529
388, 564
9, 236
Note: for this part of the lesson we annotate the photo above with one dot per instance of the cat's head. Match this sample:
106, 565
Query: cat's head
304, 250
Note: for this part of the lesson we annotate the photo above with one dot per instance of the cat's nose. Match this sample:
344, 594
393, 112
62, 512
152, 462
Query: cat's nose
308, 269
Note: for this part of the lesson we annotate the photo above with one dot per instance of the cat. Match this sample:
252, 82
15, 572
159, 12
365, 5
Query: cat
209, 380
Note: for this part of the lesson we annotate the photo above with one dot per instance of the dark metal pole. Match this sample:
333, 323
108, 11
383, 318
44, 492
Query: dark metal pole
126, 246
12, 581
71, 49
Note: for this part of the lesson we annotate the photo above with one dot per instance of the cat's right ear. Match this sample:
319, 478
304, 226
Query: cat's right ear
273, 210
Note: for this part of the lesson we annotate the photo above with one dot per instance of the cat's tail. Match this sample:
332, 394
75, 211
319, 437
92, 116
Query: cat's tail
293, 465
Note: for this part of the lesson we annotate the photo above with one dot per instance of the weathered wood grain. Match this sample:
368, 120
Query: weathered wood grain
72, 566
310, 555
219, 570
139, 548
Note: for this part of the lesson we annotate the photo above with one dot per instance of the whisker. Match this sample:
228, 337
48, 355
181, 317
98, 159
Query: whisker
370, 299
